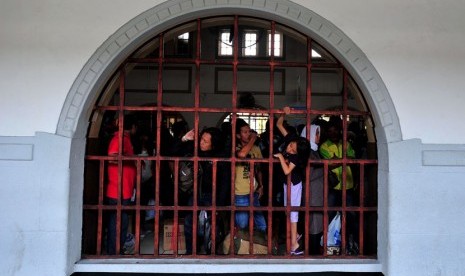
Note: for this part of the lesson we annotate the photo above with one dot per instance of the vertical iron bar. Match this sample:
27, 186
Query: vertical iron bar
100, 205
288, 214
308, 123
120, 159
344, 162
233, 126
270, 141
213, 211
137, 207
362, 207
156, 239
325, 208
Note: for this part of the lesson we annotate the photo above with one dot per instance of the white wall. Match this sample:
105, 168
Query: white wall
44, 44
416, 46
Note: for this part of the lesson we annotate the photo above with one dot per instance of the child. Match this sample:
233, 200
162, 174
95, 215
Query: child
293, 162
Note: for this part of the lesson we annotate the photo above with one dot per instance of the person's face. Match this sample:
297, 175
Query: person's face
206, 142
133, 130
292, 148
244, 134
333, 134
317, 136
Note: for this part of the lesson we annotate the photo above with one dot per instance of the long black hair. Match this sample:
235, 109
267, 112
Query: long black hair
303, 150
216, 139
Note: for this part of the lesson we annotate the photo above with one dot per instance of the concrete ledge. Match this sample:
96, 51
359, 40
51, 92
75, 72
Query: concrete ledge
443, 158
16, 152
226, 266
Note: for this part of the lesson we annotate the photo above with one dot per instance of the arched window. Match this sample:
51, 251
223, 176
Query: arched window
205, 75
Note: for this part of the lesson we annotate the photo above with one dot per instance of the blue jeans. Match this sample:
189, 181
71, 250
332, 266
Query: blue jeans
111, 230
204, 200
242, 217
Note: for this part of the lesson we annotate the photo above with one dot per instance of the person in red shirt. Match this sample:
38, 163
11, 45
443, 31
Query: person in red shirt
128, 181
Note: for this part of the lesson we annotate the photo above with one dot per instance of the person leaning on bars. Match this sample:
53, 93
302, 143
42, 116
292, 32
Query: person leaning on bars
332, 149
128, 182
246, 148
293, 161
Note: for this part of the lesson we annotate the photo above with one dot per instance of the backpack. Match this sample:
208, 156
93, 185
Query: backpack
186, 175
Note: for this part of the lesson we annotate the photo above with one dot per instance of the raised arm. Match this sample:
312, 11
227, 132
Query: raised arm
287, 167
242, 153
280, 122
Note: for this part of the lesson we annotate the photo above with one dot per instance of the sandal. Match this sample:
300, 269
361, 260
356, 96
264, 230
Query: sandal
296, 252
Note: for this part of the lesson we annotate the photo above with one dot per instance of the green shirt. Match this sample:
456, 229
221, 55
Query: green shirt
329, 150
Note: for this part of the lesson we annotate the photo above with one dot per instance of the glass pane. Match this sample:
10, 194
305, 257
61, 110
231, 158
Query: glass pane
253, 38
217, 38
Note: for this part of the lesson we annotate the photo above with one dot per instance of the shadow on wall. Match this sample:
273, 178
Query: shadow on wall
239, 274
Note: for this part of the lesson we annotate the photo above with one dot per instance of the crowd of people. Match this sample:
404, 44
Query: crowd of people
291, 149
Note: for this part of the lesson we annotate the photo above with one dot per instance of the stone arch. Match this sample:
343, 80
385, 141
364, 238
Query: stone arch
85, 90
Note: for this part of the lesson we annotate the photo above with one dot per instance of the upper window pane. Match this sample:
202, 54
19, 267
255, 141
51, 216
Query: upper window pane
277, 44
225, 43
250, 43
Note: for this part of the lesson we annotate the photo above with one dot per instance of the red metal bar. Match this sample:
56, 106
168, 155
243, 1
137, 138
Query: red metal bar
100, 204
120, 154
156, 239
278, 63
362, 204
325, 208
270, 143
137, 206
308, 99
213, 212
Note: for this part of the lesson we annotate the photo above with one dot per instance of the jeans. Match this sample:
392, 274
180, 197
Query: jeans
111, 228
204, 200
242, 217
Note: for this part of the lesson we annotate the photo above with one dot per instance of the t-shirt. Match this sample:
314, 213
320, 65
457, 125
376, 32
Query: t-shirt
296, 173
330, 150
129, 169
242, 182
